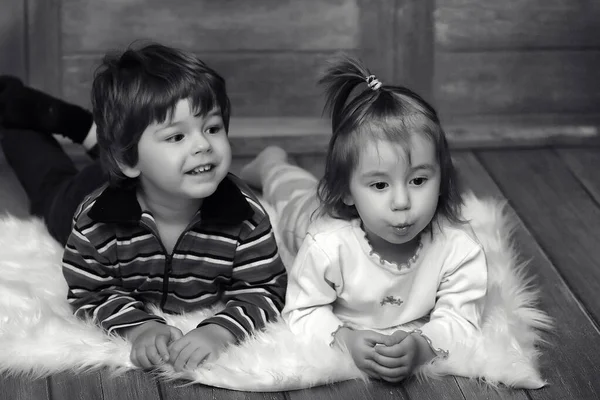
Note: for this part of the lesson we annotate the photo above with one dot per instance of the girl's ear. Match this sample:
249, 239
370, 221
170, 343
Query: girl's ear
348, 200
130, 172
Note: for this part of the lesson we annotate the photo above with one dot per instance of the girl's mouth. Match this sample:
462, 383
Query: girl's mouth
402, 228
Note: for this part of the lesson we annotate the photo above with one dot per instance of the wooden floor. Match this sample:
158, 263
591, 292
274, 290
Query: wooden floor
555, 192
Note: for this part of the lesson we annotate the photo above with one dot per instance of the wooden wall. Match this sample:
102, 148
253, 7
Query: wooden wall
517, 57
486, 60
270, 51
13, 60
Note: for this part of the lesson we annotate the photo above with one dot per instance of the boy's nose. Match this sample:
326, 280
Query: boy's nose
201, 144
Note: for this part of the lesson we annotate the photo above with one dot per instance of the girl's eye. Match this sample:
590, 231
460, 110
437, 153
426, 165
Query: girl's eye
379, 185
213, 130
178, 137
418, 181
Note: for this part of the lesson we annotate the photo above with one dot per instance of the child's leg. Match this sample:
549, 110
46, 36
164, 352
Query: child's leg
22, 107
291, 190
54, 186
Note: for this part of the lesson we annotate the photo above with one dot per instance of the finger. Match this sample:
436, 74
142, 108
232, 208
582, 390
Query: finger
395, 351
182, 358
176, 333
153, 356
373, 338
143, 359
388, 374
398, 336
389, 362
133, 357
197, 358
176, 347
213, 355
161, 347
394, 338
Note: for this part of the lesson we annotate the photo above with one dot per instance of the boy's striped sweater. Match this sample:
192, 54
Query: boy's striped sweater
115, 264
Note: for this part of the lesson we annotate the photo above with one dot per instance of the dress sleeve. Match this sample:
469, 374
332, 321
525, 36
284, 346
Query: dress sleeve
314, 283
456, 315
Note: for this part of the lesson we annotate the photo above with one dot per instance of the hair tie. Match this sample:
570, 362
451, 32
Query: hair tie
373, 82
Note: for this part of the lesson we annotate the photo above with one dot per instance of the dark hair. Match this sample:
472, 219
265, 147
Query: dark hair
138, 87
395, 112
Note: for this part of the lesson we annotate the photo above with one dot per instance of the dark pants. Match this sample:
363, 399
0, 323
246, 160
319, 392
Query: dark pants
52, 182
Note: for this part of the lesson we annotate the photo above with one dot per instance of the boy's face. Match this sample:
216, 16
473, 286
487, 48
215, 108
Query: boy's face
184, 158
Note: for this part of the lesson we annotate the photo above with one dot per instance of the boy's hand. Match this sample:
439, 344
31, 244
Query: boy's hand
401, 354
150, 343
362, 344
199, 345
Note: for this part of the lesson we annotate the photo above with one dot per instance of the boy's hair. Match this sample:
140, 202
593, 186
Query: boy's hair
391, 113
138, 87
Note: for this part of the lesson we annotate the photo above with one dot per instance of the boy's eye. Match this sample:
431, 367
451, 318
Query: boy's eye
418, 181
379, 185
177, 137
214, 129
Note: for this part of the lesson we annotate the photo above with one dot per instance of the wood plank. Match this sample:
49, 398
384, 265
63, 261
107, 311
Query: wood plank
562, 216
12, 39
570, 361
222, 394
377, 37
132, 385
584, 163
474, 390
23, 388
311, 135
259, 84
413, 45
43, 40
77, 386
204, 25
542, 82
351, 390
180, 391
396, 42
516, 24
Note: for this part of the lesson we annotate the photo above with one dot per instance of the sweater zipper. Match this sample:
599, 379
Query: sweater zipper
168, 269
168, 264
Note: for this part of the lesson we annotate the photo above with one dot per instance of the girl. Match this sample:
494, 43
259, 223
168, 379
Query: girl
388, 249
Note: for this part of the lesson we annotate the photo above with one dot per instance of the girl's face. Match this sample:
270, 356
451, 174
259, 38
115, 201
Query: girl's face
394, 192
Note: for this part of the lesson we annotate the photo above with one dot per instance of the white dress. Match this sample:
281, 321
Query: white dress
336, 279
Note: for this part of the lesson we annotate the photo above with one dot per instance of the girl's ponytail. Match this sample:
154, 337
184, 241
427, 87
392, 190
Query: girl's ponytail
342, 76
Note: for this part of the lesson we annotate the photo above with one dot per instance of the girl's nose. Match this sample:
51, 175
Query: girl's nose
400, 199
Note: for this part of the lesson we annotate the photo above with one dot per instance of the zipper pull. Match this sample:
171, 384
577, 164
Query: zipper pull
169, 261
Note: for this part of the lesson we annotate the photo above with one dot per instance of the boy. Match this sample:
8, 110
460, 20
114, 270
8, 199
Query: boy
171, 227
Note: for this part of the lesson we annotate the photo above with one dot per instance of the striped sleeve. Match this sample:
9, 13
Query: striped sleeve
257, 291
95, 287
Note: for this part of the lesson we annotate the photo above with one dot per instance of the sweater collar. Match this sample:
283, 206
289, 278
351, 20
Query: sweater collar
226, 205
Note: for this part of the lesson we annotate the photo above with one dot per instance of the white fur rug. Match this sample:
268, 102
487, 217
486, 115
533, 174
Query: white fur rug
40, 336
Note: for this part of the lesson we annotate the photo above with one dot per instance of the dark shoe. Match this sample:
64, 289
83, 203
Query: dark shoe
9, 85
22, 107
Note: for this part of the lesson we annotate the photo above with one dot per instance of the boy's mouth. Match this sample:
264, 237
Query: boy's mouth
201, 169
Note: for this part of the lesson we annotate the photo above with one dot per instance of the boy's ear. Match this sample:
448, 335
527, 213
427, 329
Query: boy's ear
130, 172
